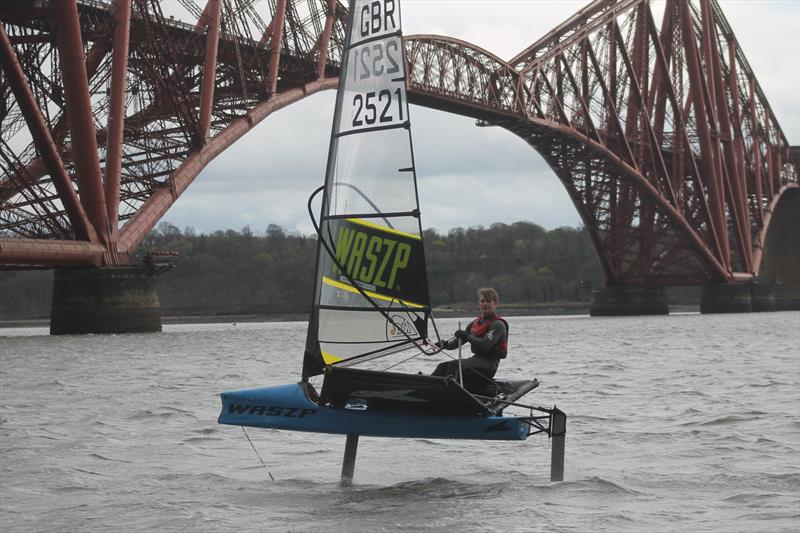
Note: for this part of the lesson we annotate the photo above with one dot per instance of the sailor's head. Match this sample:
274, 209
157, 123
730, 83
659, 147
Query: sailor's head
488, 300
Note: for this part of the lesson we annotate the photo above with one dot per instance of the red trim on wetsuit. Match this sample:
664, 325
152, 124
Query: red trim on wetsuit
479, 330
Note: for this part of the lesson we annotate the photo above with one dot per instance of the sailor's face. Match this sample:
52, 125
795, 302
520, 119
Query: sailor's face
487, 306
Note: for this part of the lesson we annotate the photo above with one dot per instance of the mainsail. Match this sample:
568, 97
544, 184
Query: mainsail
371, 289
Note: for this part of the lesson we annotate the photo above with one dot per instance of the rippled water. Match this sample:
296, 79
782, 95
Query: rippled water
681, 422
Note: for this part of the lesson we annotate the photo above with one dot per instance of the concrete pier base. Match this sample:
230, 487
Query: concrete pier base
780, 264
104, 300
628, 300
787, 298
726, 298
762, 298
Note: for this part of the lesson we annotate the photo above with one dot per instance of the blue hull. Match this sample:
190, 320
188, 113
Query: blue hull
288, 407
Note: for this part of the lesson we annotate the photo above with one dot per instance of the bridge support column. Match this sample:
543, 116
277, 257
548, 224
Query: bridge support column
726, 298
624, 300
104, 300
780, 264
762, 298
787, 298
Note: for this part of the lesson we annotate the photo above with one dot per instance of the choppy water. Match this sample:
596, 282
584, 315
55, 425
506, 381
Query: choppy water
676, 423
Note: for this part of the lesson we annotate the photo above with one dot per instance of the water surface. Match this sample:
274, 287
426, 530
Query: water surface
683, 422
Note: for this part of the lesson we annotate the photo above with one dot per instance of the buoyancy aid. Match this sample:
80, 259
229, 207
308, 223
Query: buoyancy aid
499, 350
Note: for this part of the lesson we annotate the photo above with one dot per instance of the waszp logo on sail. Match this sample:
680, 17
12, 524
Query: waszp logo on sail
372, 259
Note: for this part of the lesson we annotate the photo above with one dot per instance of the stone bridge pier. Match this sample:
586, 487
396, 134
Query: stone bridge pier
121, 299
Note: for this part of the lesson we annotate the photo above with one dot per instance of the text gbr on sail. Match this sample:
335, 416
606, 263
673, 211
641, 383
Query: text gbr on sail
377, 17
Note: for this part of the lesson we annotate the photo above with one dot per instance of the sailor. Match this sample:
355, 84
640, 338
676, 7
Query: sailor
487, 336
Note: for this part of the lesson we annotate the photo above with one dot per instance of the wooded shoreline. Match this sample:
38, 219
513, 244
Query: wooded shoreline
269, 276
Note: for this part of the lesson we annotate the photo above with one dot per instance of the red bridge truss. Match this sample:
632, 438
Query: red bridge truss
659, 132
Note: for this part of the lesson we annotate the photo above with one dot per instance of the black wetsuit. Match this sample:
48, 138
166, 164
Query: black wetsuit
488, 349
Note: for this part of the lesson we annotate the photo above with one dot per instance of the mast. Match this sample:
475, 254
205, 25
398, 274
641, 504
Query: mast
311, 354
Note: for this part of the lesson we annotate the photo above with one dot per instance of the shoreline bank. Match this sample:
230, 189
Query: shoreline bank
466, 310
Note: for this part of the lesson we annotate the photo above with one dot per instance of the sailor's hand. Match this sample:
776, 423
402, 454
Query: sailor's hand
461, 335
438, 345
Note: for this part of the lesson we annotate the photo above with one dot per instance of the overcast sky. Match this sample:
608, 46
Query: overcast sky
266, 177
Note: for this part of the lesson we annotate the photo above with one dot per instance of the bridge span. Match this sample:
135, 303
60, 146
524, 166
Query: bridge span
660, 133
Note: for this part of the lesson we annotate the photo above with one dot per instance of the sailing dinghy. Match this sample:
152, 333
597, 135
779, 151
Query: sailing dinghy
371, 310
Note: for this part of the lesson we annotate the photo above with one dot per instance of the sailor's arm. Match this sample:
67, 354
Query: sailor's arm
452, 344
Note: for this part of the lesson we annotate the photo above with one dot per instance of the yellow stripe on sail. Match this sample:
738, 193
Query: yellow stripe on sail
384, 228
371, 294
329, 359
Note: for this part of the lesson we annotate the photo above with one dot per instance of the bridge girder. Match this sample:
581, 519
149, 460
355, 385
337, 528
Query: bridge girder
662, 136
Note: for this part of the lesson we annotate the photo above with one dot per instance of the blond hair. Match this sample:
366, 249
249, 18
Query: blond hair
489, 293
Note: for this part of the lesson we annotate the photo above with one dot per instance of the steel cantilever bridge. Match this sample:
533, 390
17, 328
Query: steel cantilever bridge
660, 132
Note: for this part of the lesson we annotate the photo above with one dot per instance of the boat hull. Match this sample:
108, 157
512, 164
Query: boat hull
288, 407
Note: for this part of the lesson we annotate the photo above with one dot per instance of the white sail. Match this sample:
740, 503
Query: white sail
371, 292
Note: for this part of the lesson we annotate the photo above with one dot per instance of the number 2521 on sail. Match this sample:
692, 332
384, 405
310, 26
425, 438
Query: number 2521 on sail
372, 108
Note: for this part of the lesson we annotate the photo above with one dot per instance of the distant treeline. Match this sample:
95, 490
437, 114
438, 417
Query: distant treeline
230, 272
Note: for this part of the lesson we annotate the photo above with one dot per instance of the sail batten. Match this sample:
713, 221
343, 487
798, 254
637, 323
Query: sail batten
368, 40
371, 291
404, 125
355, 220
374, 215
345, 286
